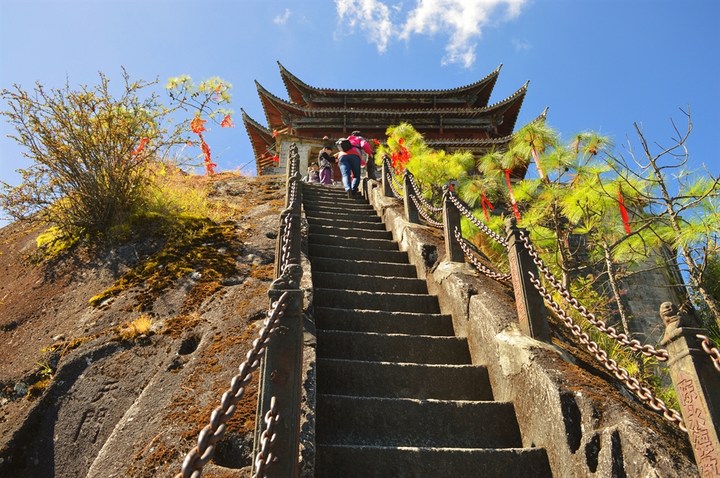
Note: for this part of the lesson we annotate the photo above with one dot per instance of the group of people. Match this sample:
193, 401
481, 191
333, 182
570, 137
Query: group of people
349, 160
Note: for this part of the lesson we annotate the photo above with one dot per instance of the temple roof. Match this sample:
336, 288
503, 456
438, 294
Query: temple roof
497, 120
474, 95
262, 141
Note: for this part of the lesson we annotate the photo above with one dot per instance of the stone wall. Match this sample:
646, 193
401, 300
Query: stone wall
588, 423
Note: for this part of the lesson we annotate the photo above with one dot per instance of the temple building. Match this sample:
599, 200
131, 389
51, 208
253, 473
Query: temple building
450, 119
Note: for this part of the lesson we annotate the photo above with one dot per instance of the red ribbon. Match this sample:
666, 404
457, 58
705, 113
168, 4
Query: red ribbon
624, 213
485, 205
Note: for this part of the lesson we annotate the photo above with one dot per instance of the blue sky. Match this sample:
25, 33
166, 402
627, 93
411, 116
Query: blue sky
597, 65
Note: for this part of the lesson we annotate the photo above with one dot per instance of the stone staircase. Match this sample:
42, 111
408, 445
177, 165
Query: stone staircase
397, 395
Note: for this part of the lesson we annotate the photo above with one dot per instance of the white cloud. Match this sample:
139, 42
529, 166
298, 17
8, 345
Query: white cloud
373, 16
283, 18
462, 21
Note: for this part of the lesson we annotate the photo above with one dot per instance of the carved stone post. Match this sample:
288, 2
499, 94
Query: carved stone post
281, 377
411, 211
451, 221
697, 384
386, 188
532, 314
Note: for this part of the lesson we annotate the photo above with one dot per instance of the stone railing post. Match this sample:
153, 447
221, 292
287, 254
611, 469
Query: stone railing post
411, 211
386, 188
451, 221
289, 218
281, 377
532, 314
697, 384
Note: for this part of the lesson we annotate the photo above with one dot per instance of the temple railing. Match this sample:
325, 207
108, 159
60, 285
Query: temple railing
693, 360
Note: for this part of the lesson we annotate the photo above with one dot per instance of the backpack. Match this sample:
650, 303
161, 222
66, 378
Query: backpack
345, 145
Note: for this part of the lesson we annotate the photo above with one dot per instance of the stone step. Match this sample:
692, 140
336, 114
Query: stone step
388, 301
403, 380
350, 420
329, 280
383, 322
362, 252
376, 347
351, 217
323, 221
348, 232
333, 206
348, 461
358, 242
366, 267
310, 190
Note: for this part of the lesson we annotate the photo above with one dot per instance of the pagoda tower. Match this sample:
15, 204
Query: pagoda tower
450, 119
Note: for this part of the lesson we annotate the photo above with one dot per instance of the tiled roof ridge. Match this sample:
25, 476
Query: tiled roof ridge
288, 76
263, 92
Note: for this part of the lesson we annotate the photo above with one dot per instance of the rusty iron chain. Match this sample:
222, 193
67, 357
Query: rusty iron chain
640, 391
285, 249
648, 350
465, 211
476, 262
709, 347
201, 454
294, 160
426, 215
265, 457
389, 177
418, 193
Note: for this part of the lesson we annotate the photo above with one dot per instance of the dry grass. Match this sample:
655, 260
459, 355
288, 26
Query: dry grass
136, 328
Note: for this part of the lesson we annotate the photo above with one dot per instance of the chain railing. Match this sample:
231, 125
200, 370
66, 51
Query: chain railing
634, 344
390, 178
201, 454
285, 290
424, 213
526, 248
265, 456
470, 255
710, 349
418, 194
640, 391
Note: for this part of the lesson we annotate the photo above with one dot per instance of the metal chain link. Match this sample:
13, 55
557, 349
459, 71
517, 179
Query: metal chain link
648, 350
418, 193
265, 457
709, 347
425, 215
476, 262
200, 455
285, 249
465, 211
642, 392
390, 179
393, 188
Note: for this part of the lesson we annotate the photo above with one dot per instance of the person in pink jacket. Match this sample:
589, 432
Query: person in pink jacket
362, 144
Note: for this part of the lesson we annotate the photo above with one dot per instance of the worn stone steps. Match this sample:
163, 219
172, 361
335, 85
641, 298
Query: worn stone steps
397, 395
388, 301
381, 321
358, 461
413, 422
359, 282
359, 253
403, 380
373, 346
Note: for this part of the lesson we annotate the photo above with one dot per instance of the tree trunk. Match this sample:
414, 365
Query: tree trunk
610, 266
